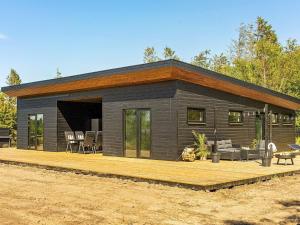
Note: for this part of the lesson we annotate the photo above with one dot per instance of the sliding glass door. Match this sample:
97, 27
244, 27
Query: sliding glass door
36, 131
137, 133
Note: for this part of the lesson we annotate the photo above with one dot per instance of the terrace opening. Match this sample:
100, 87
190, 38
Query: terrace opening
78, 115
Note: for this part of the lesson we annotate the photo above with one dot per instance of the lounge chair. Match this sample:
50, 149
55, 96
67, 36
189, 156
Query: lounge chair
98, 141
70, 139
88, 143
294, 147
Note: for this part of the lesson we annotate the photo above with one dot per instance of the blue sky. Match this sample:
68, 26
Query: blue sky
36, 37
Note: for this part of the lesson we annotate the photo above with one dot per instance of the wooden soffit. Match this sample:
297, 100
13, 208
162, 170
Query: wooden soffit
146, 76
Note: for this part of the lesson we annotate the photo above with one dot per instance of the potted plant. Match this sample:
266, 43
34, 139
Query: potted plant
201, 149
254, 144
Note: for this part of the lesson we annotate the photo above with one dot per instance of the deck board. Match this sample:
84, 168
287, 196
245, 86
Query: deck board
198, 174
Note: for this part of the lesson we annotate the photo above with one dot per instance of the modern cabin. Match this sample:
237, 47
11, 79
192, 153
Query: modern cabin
149, 110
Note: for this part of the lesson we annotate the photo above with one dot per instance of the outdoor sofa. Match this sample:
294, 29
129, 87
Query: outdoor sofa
227, 150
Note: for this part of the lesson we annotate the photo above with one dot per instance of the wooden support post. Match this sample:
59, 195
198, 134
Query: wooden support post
271, 122
215, 131
266, 129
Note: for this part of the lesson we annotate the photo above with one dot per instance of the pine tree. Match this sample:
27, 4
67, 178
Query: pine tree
170, 54
202, 59
13, 78
150, 55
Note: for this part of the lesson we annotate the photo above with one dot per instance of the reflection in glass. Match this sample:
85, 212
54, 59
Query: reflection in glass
137, 133
39, 131
196, 116
145, 135
31, 132
130, 133
36, 131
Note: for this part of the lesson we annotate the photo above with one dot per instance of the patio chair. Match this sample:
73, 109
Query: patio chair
88, 142
70, 139
98, 141
5, 137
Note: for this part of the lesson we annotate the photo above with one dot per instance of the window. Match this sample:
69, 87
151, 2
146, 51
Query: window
286, 119
36, 131
195, 116
235, 117
274, 118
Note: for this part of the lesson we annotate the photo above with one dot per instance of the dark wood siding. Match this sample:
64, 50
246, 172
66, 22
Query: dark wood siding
157, 97
46, 106
168, 102
189, 95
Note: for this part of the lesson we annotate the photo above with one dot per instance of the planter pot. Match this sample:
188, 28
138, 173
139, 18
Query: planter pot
215, 157
266, 161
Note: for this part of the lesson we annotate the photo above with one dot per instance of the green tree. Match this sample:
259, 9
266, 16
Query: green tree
170, 54
8, 105
220, 64
202, 59
13, 78
150, 55
255, 56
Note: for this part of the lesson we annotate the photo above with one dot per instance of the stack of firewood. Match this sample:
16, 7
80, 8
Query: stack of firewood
188, 154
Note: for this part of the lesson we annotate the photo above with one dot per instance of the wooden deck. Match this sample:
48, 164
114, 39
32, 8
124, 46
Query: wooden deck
202, 175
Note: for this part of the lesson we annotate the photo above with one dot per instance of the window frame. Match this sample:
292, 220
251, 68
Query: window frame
203, 110
43, 128
288, 123
235, 123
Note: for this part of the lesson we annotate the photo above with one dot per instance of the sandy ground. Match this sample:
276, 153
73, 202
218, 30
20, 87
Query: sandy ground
37, 196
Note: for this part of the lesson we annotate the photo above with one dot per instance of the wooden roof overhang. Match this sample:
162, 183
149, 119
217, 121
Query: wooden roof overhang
187, 73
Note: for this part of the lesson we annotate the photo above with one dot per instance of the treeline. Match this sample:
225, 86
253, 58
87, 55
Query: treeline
8, 105
256, 56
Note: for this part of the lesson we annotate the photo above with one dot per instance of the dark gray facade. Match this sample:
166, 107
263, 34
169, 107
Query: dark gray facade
189, 95
159, 98
168, 102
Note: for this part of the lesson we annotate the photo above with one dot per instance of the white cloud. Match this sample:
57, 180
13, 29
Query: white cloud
2, 36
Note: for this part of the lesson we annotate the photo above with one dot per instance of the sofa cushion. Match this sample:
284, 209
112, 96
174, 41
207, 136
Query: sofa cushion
221, 144
210, 143
229, 150
228, 143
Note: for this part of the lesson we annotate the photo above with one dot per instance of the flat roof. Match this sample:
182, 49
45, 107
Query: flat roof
152, 73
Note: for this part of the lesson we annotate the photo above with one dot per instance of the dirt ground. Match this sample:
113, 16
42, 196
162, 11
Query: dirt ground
37, 196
